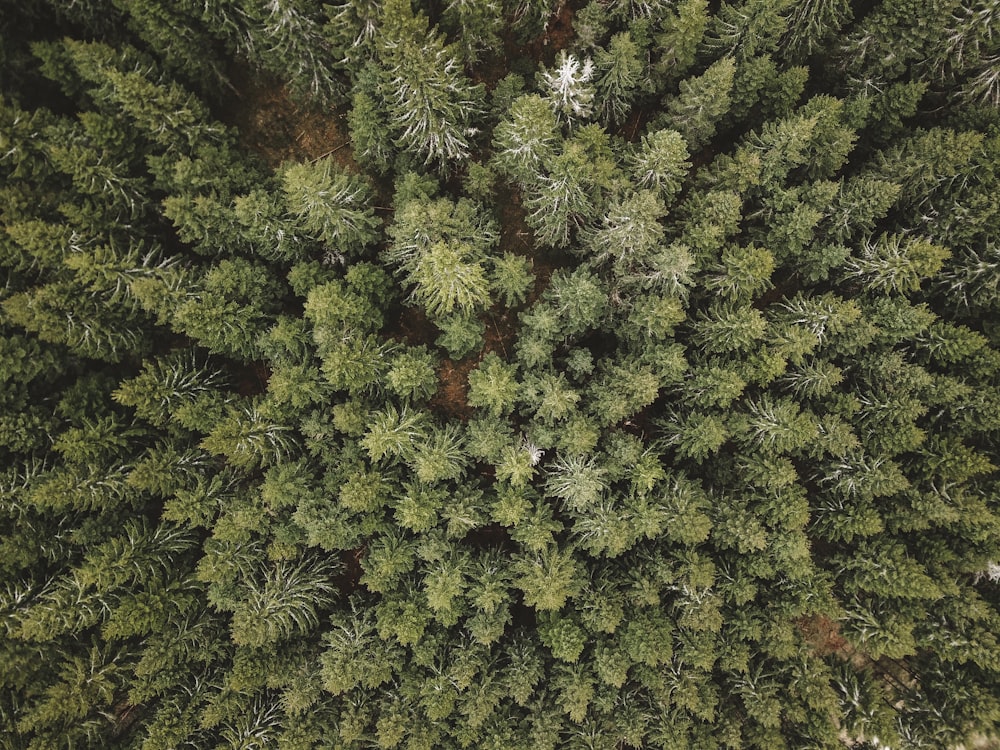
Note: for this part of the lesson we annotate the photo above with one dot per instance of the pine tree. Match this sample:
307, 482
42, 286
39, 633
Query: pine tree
330, 204
441, 247
701, 103
286, 38
619, 71
749, 28
430, 101
560, 202
895, 265
680, 36
493, 385
525, 140
629, 232
568, 88
662, 162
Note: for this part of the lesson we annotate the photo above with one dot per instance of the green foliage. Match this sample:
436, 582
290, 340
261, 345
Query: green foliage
894, 265
460, 335
412, 375
681, 32
701, 103
330, 204
547, 578
441, 247
511, 278
427, 100
619, 74
634, 385
662, 162
493, 385
249, 438
230, 308
283, 602
525, 140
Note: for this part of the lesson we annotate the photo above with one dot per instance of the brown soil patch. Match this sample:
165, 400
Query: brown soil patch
634, 124
251, 378
543, 275
279, 129
349, 578
823, 634
515, 234
413, 328
453, 388
559, 31
516, 237
501, 333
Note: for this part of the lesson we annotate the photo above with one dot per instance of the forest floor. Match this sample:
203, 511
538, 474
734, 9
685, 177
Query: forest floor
274, 126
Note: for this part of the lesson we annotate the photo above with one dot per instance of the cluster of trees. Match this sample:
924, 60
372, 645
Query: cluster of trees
719, 286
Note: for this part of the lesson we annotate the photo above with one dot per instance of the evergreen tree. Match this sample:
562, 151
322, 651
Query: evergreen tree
568, 88
525, 140
329, 204
426, 95
701, 103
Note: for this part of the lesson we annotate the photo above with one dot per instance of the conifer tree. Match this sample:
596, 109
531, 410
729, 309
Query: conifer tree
427, 97
329, 204
701, 103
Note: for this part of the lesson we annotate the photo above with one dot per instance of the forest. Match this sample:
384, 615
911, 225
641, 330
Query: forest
499, 374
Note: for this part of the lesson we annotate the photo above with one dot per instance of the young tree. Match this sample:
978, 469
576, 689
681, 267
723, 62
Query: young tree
568, 88
629, 232
168, 382
812, 24
695, 436
413, 375
619, 77
622, 390
661, 162
548, 578
248, 437
370, 124
440, 456
524, 141
559, 201
511, 278
895, 264
743, 274
283, 600
287, 39
701, 103
69, 314
578, 300
681, 31
171, 117
441, 248
230, 307
430, 101
477, 25
493, 385
330, 204
749, 28
725, 328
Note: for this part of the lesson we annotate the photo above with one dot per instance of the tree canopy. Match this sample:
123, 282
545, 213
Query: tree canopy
550, 374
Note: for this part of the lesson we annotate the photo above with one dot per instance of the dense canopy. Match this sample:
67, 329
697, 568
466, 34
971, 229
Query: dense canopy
499, 374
